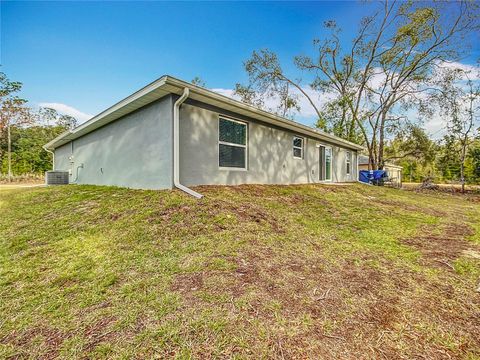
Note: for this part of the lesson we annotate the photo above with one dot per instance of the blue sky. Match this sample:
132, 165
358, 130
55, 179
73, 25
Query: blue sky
89, 55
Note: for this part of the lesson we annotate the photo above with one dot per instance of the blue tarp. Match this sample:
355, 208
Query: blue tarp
364, 176
373, 176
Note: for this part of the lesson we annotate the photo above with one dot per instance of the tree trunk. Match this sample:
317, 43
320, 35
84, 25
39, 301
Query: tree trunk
9, 150
371, 157
351, 130
373, 153
371, 161
381, 142
374, 156
462, 166
462, 177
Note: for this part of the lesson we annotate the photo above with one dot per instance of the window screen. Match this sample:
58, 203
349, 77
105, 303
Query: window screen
232, 132
298, 147
232, 147
231, 156
349, 162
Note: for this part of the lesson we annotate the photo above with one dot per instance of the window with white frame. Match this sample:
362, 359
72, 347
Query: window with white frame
298, 147
349, 163
232, 144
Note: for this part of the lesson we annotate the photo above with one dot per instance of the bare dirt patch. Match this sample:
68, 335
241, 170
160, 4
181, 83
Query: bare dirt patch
411, 207
187, 283
98, 332
441, 249
52, 339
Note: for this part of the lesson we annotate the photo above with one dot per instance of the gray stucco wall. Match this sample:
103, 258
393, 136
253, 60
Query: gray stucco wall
339, 165
134, 151
62, 155
270, 157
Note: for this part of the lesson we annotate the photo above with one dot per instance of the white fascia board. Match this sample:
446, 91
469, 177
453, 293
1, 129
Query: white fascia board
167, 84
96, 121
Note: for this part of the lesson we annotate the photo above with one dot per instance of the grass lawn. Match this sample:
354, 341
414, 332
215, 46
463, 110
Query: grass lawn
311, 271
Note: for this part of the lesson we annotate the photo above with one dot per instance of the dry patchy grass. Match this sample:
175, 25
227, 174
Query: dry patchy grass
287, 272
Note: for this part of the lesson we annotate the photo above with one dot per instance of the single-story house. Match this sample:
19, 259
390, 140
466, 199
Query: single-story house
174, 134
394, 172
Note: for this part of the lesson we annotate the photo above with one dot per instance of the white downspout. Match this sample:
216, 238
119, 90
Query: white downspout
358, 169
176, 146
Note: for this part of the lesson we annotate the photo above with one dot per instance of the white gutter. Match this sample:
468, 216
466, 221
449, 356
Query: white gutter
169, 85
176, 146
273, 119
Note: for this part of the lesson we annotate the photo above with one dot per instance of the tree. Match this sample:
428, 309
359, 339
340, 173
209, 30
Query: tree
474, 156
459, 101
414, 151
267, 80
49, 116
447, 160
411, 142
384, 71
13, 112
27, 153
198, 81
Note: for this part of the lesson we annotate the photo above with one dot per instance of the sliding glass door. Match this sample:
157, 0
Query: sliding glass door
328, 163
325, 163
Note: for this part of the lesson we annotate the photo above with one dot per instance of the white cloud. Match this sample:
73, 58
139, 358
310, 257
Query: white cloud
68, 110
472, 70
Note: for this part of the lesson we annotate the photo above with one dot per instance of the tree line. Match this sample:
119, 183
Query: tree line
24, 131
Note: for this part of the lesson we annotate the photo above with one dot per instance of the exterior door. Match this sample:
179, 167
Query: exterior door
325, 163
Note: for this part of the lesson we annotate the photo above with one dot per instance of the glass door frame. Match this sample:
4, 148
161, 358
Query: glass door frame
324, 165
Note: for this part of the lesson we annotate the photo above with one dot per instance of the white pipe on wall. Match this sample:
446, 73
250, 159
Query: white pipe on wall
176, 146
358, 169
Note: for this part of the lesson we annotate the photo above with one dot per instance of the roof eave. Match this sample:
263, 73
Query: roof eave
53, 144
277, 120
167, 84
